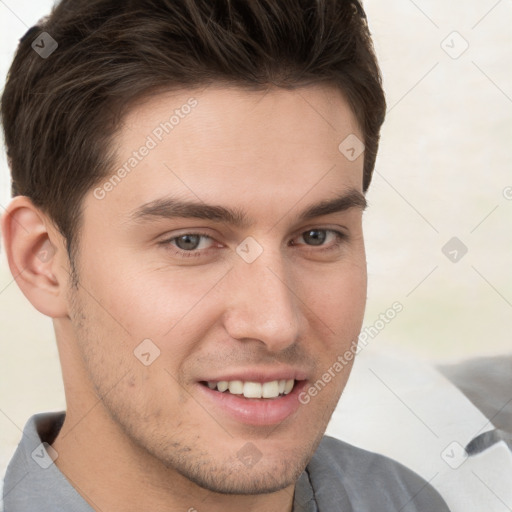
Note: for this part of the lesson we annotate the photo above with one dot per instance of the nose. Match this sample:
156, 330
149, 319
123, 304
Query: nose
262, 303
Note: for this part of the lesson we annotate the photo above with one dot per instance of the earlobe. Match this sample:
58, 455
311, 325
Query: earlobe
35, 256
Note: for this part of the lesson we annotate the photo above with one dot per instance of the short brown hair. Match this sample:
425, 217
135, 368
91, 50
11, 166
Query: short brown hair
60, 113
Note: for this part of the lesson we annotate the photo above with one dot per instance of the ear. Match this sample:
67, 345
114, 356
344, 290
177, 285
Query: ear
37, 256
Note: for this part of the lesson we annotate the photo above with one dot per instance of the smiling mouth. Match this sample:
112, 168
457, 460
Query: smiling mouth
259, 390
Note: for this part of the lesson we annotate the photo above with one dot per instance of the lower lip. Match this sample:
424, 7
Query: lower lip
255, 411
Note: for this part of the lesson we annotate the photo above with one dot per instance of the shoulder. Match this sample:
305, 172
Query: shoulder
371, 480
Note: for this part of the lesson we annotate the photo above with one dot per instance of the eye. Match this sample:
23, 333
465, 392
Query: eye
189, 241
189, 244
314, 236
318, 237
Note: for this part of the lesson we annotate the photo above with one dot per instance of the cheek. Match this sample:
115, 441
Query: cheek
152, 301
339, 297
172, 308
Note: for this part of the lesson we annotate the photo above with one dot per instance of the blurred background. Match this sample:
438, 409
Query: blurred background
439, 225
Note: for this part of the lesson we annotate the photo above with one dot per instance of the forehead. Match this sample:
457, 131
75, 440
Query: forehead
234, 145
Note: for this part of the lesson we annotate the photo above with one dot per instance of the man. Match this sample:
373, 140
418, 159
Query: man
188, 182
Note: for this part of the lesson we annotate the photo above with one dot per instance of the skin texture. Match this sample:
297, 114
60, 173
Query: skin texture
144, 437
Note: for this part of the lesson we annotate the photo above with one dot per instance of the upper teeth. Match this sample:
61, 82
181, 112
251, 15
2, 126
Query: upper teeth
270, 389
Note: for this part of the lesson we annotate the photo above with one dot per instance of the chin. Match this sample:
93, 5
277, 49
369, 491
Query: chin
254, 480
224, 471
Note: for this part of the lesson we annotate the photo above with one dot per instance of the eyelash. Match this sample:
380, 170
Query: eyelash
340, 238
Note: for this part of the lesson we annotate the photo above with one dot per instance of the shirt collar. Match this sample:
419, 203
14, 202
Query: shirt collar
32, 478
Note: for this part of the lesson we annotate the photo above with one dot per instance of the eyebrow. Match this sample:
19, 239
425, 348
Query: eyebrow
170, 208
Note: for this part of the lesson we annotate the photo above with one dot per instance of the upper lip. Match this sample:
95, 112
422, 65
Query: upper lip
259, 375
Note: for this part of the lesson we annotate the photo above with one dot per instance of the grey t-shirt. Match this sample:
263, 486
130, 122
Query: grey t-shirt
339, 478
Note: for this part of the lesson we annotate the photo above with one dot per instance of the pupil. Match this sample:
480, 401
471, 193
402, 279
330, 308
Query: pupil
315, 237
188, 242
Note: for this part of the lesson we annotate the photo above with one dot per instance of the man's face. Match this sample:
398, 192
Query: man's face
212, 304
